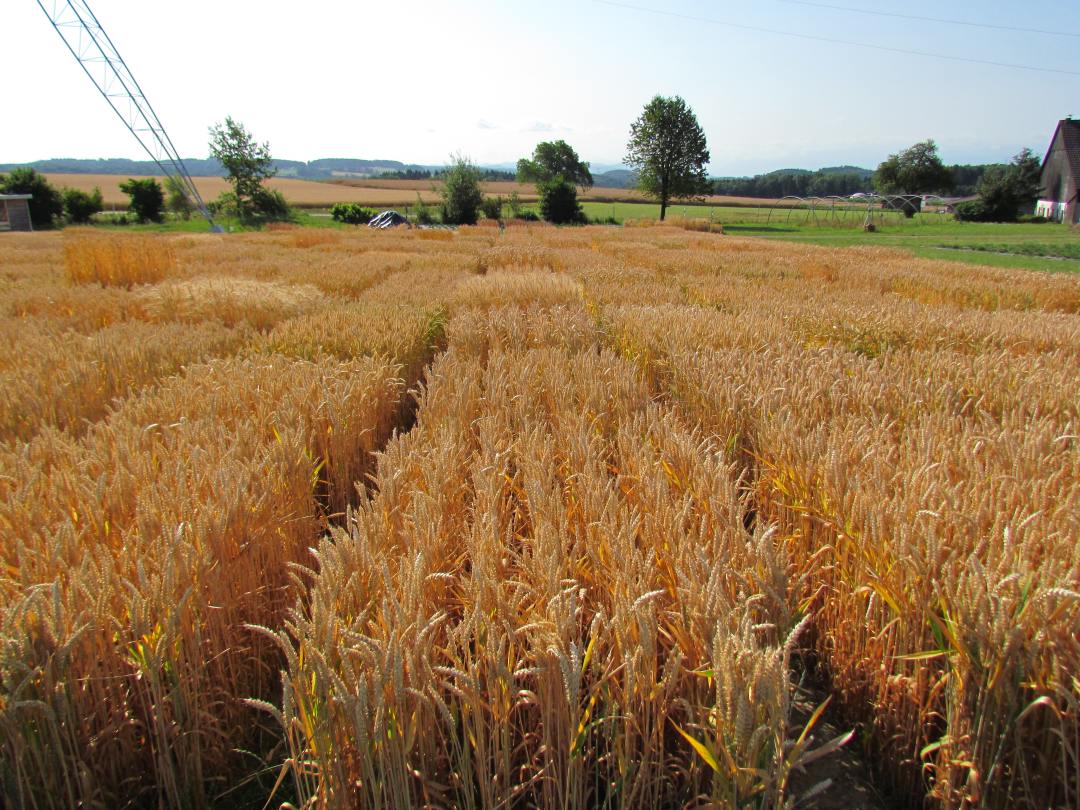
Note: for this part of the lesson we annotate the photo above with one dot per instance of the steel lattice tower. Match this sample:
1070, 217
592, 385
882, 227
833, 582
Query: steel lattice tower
90, 45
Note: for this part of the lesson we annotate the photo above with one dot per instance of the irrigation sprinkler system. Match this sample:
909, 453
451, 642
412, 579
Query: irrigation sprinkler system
865, 209
85, 37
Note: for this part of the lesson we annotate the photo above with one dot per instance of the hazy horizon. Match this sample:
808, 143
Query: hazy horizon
776, 85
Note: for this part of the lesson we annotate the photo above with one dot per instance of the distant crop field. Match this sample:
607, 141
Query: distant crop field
521, 516
303, 193
527, 192
379, 193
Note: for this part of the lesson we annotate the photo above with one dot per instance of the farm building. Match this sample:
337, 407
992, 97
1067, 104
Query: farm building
15, 212
1061, 175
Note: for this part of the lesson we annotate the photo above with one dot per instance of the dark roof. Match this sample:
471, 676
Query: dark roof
1070, 143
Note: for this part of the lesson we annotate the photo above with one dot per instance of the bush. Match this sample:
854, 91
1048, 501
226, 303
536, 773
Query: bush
559, 203
270, 205
147, 198
528, 216
178, 201
46, 204
492, 207
80, 206
351, 214
461, 193
265, 206
972, 211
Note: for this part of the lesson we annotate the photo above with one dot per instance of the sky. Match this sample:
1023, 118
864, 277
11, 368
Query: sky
774, 83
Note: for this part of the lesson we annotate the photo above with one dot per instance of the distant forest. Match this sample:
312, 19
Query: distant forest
839, 181
486, 175
323, 169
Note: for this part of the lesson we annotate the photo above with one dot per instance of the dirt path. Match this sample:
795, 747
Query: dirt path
850, 783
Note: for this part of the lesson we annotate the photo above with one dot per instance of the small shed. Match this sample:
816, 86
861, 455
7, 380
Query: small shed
1061, 175
15, 212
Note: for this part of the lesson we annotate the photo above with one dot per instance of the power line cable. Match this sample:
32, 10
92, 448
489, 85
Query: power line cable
835, 41
941, 20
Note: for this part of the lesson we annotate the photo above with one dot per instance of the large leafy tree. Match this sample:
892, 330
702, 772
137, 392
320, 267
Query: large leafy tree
915, 170
80, 206
247, 164
667, 148
553, 159
46, 204
556, 170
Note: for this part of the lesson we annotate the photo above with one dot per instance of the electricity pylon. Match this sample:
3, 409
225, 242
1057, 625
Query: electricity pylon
90, 45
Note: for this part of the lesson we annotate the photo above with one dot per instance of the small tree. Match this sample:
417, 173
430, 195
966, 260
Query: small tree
424, 215
80, 206
559, 203
147, 198
247, 164
177, 200
1006, 190
556, 170
46, 203
917, 170
461, 195
514, 202
667, 148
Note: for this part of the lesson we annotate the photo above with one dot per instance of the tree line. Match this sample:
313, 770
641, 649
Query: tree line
822, 183
964, 182
667, 150
486, 175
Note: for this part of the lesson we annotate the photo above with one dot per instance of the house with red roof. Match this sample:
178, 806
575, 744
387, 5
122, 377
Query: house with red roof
1061, 175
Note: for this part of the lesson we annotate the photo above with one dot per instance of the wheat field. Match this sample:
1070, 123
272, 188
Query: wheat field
541, 517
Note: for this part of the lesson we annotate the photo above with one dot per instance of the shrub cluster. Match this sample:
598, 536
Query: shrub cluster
351, 214
492, 207
559, 203
80, 206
